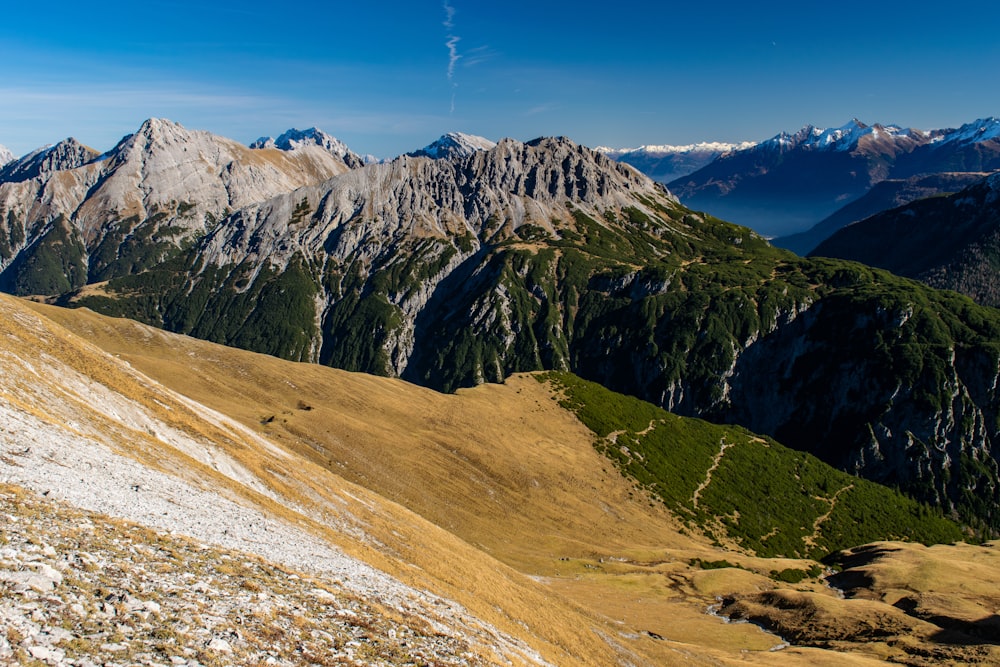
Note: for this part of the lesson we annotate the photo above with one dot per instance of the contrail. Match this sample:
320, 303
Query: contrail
452, 45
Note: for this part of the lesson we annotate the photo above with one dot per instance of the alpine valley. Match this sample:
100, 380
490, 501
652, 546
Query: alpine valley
802, 186
771, 409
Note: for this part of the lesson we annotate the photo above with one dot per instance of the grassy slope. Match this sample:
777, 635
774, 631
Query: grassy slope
503, 468
500, 468
403, 544
736, 486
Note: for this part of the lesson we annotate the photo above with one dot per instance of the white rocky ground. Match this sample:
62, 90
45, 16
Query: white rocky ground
78, 588
105, 559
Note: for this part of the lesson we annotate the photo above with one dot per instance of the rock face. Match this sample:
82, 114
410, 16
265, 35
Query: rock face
5, 155
454, 145
69, 216
947, 242
65, 155
453, 271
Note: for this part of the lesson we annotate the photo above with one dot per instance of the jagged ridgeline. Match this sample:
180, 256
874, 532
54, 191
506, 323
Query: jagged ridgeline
546, 255
740, 488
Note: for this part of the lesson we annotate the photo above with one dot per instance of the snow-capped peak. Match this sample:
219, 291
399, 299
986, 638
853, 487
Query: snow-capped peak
977, 131
294, 139
843, 138
454, 144
717, 147
5, 155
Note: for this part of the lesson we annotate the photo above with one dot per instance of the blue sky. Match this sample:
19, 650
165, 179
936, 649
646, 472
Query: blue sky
392, 76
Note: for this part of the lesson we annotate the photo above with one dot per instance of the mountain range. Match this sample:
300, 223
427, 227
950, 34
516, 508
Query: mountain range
665, 163
787, 184
884, 195
458, 270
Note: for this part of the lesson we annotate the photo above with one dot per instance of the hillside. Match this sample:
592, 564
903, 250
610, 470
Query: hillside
948, 242
495, 499
884, 195
545, 255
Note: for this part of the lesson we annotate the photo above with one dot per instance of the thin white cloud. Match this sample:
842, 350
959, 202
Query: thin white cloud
452, 45
477, 56
453, 56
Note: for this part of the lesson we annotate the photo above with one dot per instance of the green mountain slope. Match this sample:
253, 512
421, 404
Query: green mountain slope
948, 242
738, 487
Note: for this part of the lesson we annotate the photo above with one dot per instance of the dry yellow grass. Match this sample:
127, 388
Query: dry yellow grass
956, 585
493, 497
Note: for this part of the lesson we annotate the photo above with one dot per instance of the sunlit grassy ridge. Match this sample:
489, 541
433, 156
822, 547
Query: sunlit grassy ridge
737, 486
495, 497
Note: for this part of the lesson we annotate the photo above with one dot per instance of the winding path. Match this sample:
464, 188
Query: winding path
810, 541
708, 475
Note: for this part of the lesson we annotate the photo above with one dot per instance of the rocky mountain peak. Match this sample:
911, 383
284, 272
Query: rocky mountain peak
162, 130
978, 131
556, 170
294, 139
5, 155
67, 154
454, 145
156, 135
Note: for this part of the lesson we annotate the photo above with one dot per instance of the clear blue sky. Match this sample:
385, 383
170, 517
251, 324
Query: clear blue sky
388, 77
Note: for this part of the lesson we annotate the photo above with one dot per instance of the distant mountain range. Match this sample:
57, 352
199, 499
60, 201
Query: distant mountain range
790, 182
883, 196
5, 155
666, 163
465, 268
798, 188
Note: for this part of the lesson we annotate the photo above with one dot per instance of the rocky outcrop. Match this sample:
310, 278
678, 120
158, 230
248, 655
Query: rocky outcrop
137, 205
65, 155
